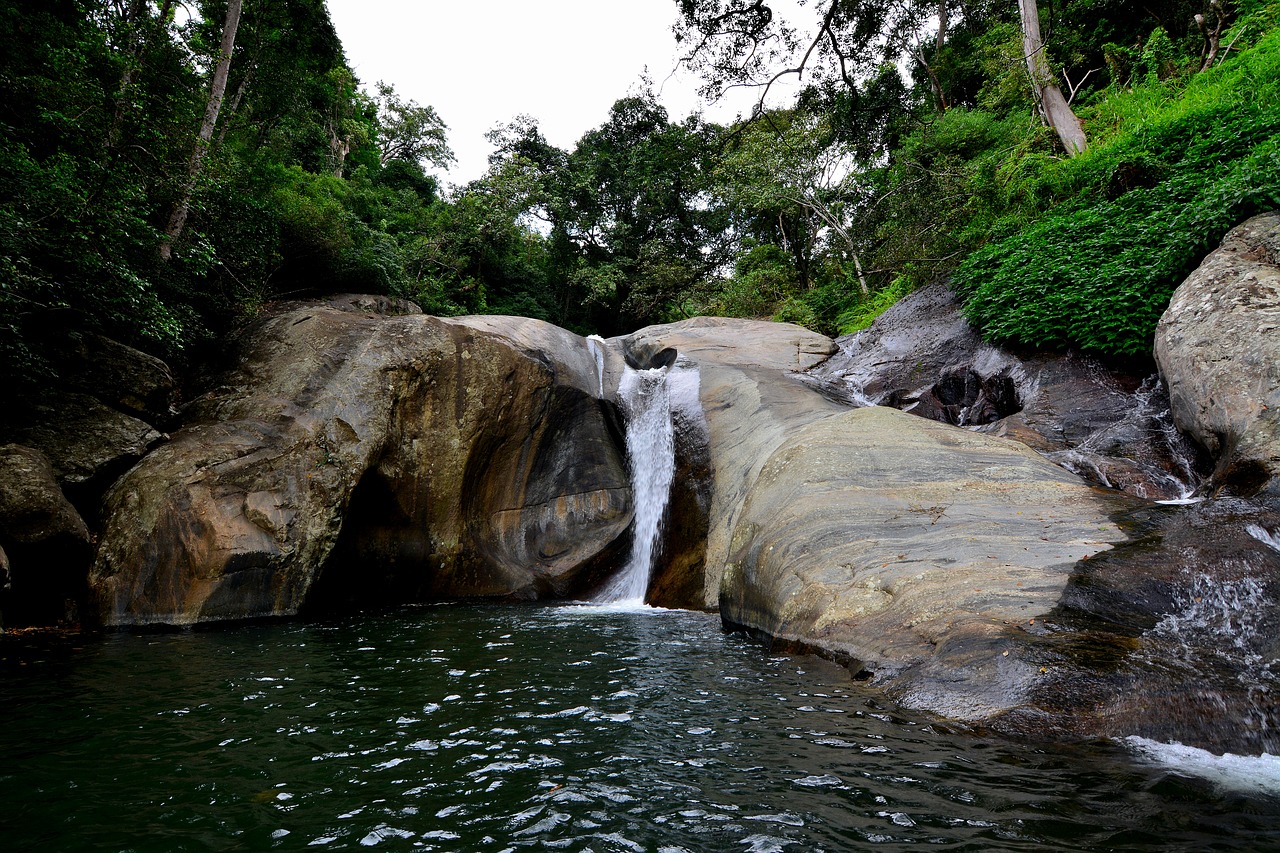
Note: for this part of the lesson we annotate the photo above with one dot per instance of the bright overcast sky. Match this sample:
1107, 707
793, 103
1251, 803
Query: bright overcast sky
482, 62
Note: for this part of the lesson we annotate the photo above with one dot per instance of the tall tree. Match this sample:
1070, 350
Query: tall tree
409, 131
217, 90
737, 43
1054, 108
792, 169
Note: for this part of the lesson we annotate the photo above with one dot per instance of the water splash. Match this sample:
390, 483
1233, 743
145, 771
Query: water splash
1234, 772
646, 405
1167, 462
1213, 656
1266, 537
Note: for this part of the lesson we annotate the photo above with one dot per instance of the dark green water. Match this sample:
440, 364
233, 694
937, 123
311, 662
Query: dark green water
488, 729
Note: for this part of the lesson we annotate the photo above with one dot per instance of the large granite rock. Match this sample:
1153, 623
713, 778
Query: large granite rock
88, 442
914, 551
1108, 422
97, 417
357, 455
124, 378
45, 544
965, 573
1218, 347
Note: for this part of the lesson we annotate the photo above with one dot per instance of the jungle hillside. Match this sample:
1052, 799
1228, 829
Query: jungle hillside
168, 169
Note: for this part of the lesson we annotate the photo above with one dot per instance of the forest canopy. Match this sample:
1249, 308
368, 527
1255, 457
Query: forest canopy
167, 170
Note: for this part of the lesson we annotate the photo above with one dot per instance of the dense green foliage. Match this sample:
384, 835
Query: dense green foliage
309, 185
872, 182
954, 175
1137, 212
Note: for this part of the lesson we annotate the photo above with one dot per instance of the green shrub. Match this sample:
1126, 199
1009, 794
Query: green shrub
1139, 211
1100, 276
864, 312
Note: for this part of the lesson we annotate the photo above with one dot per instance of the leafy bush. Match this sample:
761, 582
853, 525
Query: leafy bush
763, 278
864, 312
1098, 271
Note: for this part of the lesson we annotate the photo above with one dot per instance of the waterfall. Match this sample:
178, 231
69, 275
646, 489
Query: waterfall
596, 345
646, 405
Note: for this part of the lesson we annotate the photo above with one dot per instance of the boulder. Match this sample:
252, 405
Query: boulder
45, 545
1106, 421
915, 552
367, 456
88, 442
120, 376
964, 573
1218, 347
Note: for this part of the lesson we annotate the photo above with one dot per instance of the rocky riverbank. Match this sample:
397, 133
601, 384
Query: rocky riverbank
971, 528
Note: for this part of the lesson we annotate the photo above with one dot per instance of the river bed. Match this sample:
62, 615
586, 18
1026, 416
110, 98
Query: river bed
470, 728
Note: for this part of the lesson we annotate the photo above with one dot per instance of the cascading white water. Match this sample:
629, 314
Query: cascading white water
1148, 415
1266, 537
596, 345
646, 405
1215, 640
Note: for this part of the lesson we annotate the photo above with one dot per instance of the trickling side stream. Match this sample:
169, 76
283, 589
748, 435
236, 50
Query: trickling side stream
646, 405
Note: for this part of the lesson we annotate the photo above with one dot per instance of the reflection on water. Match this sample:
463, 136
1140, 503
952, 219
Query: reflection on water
581, 729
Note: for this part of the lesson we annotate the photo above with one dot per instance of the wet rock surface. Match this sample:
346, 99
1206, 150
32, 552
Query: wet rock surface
910, 549
1169, 636
968, 575
1106, 422
1218, 346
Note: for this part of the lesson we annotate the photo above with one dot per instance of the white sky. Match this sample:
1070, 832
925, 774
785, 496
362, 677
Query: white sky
482, 62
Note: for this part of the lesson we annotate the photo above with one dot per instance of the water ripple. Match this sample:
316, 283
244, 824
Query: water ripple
539, 728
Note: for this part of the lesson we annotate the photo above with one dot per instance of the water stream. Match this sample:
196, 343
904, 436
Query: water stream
467, 728
596, 345
646, 405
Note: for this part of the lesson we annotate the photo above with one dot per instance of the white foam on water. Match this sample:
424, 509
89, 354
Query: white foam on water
1248, 773
626, 606
1266, 537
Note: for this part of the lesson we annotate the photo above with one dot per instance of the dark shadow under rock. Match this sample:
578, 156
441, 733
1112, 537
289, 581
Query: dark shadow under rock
45, 546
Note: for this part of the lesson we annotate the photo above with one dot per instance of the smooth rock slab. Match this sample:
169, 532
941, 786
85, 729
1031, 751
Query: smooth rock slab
916, 552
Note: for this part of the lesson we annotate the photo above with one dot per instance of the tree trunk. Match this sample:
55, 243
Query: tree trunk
131, 17
819, 209
237, 98
1053, 106
939, 42
217, 89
